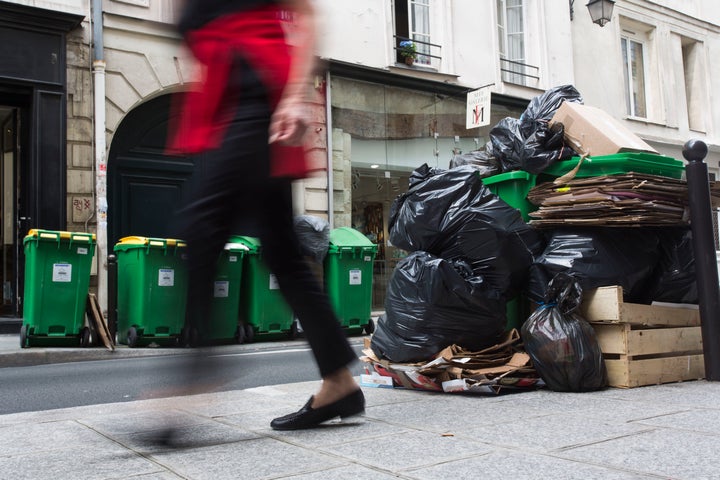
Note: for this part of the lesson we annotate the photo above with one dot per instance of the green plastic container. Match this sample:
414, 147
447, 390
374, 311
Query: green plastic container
57, 278
619, 163
349, 277
512, 188
152, 291
263, 309
224, 324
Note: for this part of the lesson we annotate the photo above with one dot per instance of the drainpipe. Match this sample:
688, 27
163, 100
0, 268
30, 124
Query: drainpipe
328, 128
100, 154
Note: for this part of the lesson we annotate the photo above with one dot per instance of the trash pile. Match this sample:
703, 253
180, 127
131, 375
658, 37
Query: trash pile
471, 252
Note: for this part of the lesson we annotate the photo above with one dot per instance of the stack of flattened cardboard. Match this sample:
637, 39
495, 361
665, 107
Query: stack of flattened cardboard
631, 199
496, 369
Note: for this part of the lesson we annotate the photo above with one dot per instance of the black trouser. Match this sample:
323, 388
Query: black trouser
231, 189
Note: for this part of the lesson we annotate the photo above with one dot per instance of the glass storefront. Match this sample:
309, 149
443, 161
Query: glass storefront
381, 133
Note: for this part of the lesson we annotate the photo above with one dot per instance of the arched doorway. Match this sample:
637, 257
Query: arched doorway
145, 185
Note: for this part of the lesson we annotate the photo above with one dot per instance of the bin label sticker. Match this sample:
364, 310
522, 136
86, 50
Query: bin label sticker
273, 283
166, 277
367, 258
355, 277
232, 258
222, 289
82, 251
62, 272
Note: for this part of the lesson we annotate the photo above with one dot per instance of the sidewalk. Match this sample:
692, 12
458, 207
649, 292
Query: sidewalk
667, 431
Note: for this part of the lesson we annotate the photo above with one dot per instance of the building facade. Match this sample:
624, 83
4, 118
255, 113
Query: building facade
86, 92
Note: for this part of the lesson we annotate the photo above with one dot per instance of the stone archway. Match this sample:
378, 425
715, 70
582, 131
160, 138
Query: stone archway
145, 184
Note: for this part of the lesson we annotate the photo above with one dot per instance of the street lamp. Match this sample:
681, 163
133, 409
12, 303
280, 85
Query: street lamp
601, 11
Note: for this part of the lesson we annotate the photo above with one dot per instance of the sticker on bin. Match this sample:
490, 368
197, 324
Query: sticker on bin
82, 251
166, 277
222, 289
367, 258
62, 272
355, 277
274, 285
232, 258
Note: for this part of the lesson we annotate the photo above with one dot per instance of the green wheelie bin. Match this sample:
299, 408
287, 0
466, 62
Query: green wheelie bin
263, 310
223, 324
151, 291
57, 278
348, 278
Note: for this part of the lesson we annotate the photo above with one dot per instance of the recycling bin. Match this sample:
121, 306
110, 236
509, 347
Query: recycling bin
263, 310
349, 277
223, 324
57, 278
151, 291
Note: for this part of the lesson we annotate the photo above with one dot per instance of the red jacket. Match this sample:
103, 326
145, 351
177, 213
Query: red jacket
259, 37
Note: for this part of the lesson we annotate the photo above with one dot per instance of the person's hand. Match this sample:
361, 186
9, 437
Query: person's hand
288, 123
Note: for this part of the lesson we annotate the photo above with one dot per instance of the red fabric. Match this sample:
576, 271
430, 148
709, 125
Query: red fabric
258, 36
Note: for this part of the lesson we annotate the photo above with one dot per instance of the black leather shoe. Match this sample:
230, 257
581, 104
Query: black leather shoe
308, 417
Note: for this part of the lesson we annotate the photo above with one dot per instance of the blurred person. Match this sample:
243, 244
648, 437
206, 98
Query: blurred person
247, 123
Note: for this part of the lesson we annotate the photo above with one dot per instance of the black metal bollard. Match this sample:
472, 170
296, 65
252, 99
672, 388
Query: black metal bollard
112, 296
705, 257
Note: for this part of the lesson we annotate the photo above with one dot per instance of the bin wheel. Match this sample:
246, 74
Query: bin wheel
132, 337
24, 337
293, 332
370, 327
240, 333
85, 339
249, 333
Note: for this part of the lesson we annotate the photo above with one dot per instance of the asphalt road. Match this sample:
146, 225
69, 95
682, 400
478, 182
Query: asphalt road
47, 387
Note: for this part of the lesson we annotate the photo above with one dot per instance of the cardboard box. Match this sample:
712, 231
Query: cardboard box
591, 131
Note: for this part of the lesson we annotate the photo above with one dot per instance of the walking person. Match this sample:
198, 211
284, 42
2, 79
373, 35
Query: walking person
247, 124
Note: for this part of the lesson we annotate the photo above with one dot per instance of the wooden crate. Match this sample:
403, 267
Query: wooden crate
644, 344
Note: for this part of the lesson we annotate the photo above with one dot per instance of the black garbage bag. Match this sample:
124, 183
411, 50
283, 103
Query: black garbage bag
432, 303
562, 344
508, 143
528, 143
313, 235
451, 214
485, 163
676, 275
543, 107
599, 257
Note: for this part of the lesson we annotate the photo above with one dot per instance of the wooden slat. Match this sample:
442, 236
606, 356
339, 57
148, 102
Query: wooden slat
653, 341
605, 304
612, 338
95, 314
635, 373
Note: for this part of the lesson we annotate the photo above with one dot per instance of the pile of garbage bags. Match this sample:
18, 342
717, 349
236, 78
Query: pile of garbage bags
470, 253
526, 143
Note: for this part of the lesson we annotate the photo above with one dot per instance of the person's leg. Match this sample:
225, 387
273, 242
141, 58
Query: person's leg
303, 292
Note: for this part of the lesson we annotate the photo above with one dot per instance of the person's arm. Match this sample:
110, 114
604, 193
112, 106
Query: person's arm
288, 123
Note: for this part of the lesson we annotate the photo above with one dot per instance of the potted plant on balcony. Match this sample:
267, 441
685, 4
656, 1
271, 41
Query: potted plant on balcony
408, 51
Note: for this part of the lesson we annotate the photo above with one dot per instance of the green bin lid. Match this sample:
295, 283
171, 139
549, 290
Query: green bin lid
251, 244
54, 236
348, 237
618, 164
503, 177
131, 242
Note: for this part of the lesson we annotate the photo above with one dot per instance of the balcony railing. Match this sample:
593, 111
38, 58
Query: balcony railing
519, 73
428, 54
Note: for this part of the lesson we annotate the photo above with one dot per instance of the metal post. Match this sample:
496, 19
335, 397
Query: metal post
112, 296
705, 257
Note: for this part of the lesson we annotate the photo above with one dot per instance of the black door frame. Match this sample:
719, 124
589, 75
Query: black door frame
33, 78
